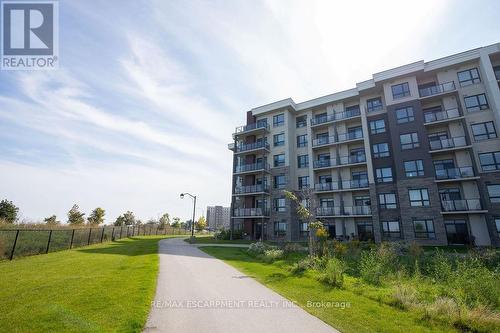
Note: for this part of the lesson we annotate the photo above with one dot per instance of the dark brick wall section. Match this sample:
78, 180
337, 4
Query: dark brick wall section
489, 178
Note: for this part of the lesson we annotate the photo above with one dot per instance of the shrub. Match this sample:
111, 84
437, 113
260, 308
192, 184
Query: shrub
304, 264
445, 307
405, 296
440, 266
272, 255
333, 273
371, 269
339, 249
257, 248
292, 247
225, 234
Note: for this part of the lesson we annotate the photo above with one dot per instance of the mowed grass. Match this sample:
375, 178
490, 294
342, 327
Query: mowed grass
100, 288
363, 315
209, 239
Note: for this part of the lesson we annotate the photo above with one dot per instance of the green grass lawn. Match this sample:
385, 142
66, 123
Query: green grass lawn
100, 288
365, 313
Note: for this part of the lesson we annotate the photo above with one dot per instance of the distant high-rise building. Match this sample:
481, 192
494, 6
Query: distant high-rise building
218, 217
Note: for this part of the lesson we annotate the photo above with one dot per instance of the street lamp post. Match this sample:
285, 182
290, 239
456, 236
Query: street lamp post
194, 211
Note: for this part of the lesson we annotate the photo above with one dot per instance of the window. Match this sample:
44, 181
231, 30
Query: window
414, 168
303, 161
387, 201
280, 228
352, 111
404, 115
390, 229
476, 103
409, 141
303, 182
374, 104
279, 120
377, 126
280, 205
304, 228
468, 77
301, 140
384, 175
490, 161
497, 72
484, 131
279, 181
419, 197
381, 150
400, 90
494, 193
497, 224
279, 139
424, 229
279, 160
301, 121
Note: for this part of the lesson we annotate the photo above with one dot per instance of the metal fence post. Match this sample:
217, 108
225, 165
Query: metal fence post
113, 234
14, 245
102, 235
72, 237
121, 230
48, 242
133, 230
90, 233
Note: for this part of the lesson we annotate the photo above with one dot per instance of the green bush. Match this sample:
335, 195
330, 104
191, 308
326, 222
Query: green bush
333, 273
258, 248
371, 268
272, 255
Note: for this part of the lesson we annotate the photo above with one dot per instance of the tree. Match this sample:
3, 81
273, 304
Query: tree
306, 204
8, 211
164, 220
120, 220
176, 223
201, 224
75, 217
51, 220
97, 216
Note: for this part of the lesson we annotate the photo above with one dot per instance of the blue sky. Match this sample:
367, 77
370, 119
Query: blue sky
148, 93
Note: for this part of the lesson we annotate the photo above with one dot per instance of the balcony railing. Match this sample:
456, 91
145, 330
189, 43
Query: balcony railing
355, 183
251, 167
251, 189
357, 210
327, 186
343, 160
343, 211
250, 212
455, 173
461, 205
252, 146
343, 185
251, 127
437, 89
324, 140
318, 120
337, 139
431, 117
456, 142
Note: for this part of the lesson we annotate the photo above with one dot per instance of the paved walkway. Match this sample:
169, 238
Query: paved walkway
198, 293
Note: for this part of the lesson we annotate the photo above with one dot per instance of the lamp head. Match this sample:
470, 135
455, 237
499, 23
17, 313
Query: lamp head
182, 195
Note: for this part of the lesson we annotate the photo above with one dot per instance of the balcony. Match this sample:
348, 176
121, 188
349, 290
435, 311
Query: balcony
329, 118
340, 138
455, 174
346, 185
444, 145
462, 206
437, 89
250, 212
251, 189
339, 162
251, 128
441, 116
250, 147
251, 168
352, 211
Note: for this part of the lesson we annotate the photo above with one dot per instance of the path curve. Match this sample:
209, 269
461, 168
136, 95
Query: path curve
198, 293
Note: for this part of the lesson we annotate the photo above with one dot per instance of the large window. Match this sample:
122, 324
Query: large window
405, 115
387, 201
279, 139
490, 161
381, 150
409, 141
414, 168
301, 121
280, 228
476, 102
383, 175
390, 229
377, 126
279, 181
424, 229
301, 140
400, 90
497, 223
468, 77
279, 160
303, 161
374, 104
279, 120
494, 193
484, 131
280, 205
303, 182
419, 197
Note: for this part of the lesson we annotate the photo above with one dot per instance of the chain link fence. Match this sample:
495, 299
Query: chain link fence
27, 242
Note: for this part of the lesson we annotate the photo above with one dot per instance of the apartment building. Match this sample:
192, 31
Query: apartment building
411, 154
218, 217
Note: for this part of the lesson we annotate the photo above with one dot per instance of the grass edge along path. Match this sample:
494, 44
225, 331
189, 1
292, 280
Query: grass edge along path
99, 288
363, 314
